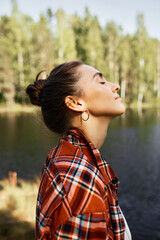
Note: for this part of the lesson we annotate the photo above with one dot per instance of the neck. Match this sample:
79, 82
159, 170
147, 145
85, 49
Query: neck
95, 129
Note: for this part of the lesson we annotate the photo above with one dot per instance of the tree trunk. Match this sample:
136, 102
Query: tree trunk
8, 88
116, 72
60, 53
158, 71
31, 59
20, 66
123, 87
140, 99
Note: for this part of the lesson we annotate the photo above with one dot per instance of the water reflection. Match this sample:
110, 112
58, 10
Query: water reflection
132, 148
134, 118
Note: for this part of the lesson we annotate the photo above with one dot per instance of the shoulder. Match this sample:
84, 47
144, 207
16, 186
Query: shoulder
70, 159
68, 155
63, 148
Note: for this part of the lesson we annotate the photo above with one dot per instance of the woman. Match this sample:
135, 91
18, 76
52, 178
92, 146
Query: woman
77, 197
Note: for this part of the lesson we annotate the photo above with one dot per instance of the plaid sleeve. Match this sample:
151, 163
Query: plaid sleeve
51, 204
84, 226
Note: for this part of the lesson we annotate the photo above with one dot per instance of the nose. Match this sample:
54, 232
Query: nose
115, 87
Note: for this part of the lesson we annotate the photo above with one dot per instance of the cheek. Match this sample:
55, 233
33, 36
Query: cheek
100, 101
99, 98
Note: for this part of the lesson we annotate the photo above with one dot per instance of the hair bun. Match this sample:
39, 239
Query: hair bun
34, 90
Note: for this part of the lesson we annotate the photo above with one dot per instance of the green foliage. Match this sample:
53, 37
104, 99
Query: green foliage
65, 39
27, 47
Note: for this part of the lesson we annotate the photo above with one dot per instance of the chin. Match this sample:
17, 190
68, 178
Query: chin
119, 111
122, 109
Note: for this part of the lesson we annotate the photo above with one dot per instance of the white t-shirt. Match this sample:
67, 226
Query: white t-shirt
127, 231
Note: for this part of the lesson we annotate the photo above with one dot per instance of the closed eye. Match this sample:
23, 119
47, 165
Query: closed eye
102, 82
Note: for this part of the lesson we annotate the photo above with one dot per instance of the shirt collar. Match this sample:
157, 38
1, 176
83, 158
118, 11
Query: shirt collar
77, 138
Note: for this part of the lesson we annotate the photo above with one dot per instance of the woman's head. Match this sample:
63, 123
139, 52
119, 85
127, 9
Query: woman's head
99, 96
50, 94
70, 89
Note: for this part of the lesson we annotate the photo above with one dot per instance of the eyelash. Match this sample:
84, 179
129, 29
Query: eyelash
102, 82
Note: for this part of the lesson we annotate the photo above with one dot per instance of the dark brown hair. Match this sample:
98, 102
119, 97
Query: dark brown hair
50, 94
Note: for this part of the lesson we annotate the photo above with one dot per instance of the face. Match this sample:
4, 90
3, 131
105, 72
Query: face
100, 96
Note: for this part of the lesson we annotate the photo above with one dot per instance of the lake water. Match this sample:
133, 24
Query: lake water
132, 148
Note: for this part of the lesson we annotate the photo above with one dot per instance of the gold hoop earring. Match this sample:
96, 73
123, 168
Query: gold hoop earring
87, 116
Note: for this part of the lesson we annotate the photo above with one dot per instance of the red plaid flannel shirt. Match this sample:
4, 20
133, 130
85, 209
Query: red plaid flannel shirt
77, 197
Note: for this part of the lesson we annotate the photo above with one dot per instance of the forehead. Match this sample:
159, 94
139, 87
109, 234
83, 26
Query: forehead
87, 72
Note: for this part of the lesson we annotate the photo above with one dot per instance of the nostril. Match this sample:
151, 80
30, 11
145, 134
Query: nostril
116, 87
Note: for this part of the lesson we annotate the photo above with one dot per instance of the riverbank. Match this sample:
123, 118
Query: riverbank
32, 109
17, 108
143, 105
17, 209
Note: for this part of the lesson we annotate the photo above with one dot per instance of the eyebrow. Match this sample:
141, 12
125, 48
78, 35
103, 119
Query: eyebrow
97, 74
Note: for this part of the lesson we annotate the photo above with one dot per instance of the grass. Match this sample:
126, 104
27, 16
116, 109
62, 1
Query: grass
17, 209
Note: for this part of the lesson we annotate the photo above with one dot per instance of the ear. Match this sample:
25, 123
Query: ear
75, 104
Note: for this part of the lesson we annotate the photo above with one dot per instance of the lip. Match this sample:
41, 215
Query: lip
118, 98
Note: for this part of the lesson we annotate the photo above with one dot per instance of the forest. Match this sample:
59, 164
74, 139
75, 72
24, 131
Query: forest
28, 46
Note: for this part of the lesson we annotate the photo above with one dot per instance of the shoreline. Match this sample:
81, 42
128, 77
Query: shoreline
19, 108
